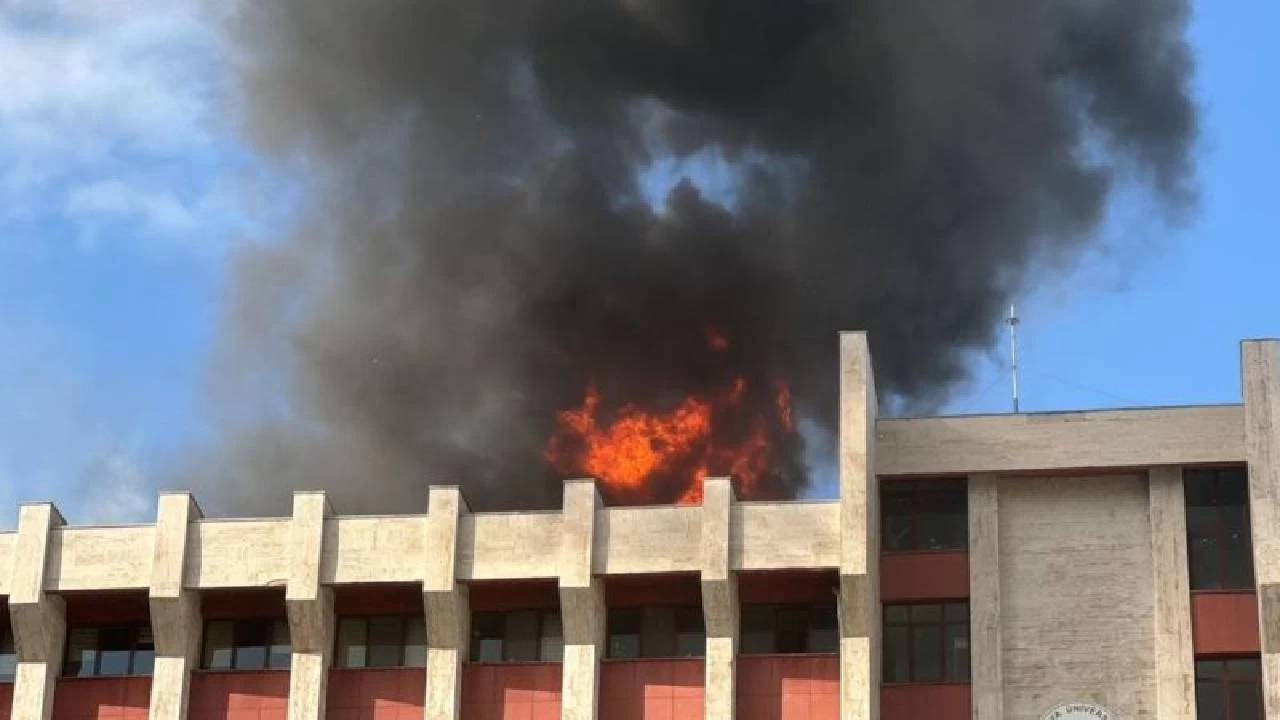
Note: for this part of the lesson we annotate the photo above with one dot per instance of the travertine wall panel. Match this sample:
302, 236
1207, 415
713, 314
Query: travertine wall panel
96, 557
763, 535
508, 545
7, 540
373, 549
241, 553
1060, 440
1076, 594
654, 539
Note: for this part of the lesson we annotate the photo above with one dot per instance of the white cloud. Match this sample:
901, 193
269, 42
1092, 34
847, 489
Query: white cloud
105, 113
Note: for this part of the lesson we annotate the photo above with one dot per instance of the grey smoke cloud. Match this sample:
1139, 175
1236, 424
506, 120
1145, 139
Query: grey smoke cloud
476, 246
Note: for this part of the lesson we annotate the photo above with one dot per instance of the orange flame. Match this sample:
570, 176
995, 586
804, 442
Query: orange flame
637, 448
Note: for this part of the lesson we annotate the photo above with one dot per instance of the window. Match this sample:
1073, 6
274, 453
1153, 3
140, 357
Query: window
100, 651
924, 515
656, 633
1229, 689
521, 636
926, 643
8, 655
385, 641
1219, 552
245, 645
781, 629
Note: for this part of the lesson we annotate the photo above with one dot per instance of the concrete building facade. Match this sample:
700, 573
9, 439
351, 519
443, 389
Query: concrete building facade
1118, 564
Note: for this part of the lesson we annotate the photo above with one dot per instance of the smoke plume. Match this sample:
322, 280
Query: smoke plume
508, 202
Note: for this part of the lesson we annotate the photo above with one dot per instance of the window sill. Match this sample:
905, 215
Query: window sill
1222, 591
672, 658
833, 653
387, 668
508, 663
230, 671
75, 678
929, 683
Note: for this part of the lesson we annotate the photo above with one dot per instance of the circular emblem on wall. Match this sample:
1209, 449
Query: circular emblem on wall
1078, 711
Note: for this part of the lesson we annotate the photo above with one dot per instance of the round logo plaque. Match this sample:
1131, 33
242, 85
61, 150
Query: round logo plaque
1078, 711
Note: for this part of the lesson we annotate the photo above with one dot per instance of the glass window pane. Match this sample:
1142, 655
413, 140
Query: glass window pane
1244, 669
1198, 487
144, 660
824, 633
82, 652
8, 659
217, 645
114, 647
926, 613
386, 640
250, 657
250, 645
757, 630
658, 632
926, 645
895, 613
1202, 522
551, 646
278, 655
793, 629
1233, 487
952, 612
352, 643
415, 642
521, 636
941, 521
895, 516
486, 637
896, 655
1202, 556
1208, 669
957, 652
1246, 701
1210, 704
896, 533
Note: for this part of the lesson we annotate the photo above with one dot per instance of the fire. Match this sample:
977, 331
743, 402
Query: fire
641, 455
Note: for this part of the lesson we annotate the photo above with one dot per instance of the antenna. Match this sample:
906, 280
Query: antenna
1013, 353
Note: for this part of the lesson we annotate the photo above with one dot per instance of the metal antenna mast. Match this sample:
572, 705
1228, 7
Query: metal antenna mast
1013, 353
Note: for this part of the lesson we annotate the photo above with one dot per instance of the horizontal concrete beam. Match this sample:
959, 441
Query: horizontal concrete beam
1053, 442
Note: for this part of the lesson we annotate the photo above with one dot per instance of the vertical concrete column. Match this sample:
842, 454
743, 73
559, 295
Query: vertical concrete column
175, 611
719, 599
310, 607
447, 605
1175, 658
38, 618
859, 534
984, 598
582, 606
1260, 366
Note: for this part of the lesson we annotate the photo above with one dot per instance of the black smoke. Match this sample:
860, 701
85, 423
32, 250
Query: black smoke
477, 241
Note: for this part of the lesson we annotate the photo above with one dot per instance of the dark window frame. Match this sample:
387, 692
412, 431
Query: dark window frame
947, 673
1215, 479
8, 652
813, 613
239, 628
136, 647
543, 614
916, 490
1225, 682
406, 623
644, 649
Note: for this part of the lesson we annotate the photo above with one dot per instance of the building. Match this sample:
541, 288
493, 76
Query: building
1119, 563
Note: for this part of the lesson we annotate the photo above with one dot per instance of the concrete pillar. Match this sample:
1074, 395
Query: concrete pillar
719, 599
582, 607
446, 603
38, 618
1260, 366
175, 611
310, 607
985, 643
859, 534
1174, 655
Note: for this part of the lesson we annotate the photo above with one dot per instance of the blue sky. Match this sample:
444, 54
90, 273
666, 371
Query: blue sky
123, 191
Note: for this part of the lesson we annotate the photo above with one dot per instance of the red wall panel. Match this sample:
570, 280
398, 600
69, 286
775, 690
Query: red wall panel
670, 689
102, 698
515, 691
6, 699
259, 695
788, 687
1224, 622
923, 576
935, 701
376, 694
788, 587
